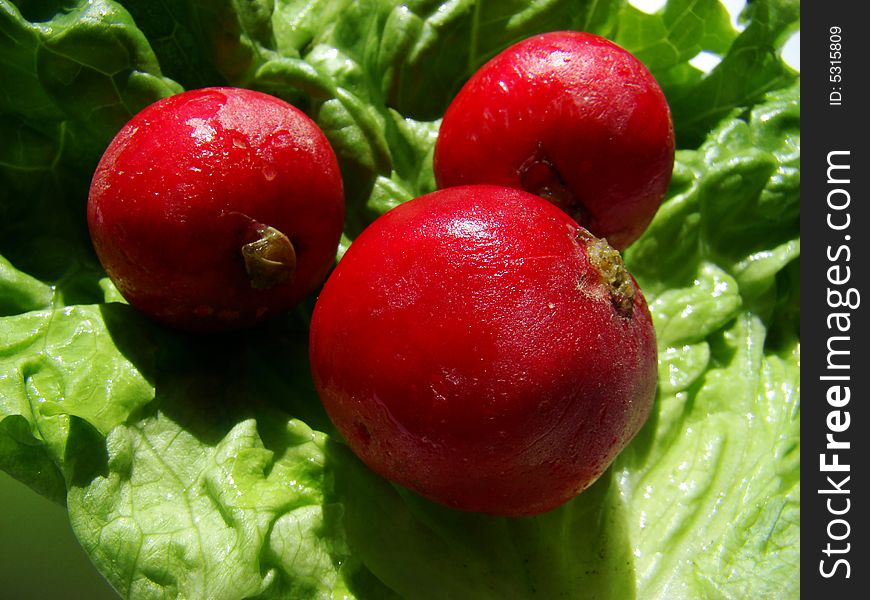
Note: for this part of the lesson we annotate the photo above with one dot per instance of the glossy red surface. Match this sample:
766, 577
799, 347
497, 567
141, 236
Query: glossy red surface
570, 116
467, 349
182, 188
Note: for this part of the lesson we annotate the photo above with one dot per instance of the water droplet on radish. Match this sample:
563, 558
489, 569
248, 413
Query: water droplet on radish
202, 131
282, 139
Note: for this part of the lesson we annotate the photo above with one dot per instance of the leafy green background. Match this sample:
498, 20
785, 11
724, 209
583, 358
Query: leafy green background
200, 468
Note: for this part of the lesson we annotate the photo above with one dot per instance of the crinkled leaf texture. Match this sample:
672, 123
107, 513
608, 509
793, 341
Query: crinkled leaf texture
206, 468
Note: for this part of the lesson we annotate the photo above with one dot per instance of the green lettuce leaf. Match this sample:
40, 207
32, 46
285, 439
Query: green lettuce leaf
726, 437
207, 468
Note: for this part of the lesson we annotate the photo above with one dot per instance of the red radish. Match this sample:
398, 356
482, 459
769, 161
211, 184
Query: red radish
215, 208
569, 116
479, 347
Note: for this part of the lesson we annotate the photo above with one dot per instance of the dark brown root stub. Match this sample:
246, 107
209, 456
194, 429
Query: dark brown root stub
608, 262
538, 175
269, 260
